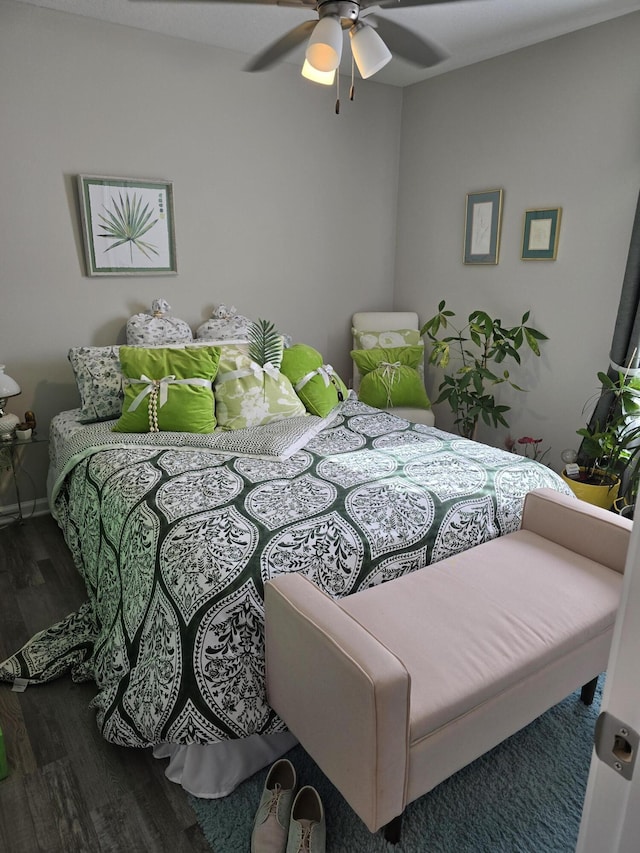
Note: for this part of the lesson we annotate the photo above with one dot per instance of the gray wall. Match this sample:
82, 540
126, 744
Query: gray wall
290, 212
282, 208
557, 124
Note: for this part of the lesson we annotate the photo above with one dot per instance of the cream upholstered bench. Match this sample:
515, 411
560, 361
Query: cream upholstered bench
393, 689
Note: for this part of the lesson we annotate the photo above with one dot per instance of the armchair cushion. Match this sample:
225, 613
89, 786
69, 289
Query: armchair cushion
374, 329
393, 338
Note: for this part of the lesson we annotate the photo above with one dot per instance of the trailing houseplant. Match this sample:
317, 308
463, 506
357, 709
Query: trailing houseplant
479, 348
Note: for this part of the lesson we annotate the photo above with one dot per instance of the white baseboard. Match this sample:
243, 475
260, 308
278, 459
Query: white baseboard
29, 509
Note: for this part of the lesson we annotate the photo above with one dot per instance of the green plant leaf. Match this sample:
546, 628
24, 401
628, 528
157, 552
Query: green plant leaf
475, 335
536, 333
265, 343
487, 374
440, 354
533, 343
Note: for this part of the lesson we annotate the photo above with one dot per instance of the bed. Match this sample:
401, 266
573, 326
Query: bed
176, 533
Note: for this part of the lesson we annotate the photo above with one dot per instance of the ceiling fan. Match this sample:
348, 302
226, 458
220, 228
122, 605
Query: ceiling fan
373, 39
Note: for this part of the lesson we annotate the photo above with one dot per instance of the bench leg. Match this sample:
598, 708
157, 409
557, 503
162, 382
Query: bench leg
392, 830
588, 691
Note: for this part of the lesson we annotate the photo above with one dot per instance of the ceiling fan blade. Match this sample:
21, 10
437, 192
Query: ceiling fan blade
280, 48
408, 45
399, 4
301, 4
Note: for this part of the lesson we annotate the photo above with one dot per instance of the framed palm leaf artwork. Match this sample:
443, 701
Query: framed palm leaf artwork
127, 226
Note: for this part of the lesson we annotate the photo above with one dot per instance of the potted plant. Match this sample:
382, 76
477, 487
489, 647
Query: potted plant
608, 472
479, 347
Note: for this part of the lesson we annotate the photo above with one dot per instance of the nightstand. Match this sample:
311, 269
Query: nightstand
9, 455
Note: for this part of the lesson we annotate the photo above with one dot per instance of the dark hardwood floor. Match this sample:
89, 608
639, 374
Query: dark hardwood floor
68, 789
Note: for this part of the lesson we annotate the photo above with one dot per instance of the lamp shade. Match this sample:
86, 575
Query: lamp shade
8, 386
311, 73
324, 49
369, 51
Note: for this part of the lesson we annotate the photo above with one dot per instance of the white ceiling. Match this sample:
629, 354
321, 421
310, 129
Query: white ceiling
470, 30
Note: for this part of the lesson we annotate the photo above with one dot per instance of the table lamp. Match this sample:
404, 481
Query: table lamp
8, 388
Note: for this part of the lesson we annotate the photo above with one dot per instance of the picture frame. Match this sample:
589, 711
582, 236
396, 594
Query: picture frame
127, 226
540, 234
483, 223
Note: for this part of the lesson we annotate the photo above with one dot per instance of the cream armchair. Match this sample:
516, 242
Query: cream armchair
390, 321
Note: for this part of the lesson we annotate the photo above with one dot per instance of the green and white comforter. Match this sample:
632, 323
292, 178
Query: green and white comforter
175, 544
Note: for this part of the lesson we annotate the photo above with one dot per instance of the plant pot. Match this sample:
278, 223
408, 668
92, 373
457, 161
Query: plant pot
624, 508
593, 493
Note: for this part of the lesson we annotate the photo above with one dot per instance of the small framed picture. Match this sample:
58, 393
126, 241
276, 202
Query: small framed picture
541, 233
483, 219
127, 226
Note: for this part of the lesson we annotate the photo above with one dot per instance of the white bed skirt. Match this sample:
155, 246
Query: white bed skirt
215, 770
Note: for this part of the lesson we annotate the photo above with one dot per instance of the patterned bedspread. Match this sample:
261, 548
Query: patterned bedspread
175, 545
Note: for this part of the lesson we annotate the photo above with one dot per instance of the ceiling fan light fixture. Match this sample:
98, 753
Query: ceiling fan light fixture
369, 51
326, 78
324, 49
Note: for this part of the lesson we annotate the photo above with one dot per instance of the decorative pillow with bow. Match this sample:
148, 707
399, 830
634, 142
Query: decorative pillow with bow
250, 390
158, 328
317, 384
225, 324
390, 377
168, 389
390, 340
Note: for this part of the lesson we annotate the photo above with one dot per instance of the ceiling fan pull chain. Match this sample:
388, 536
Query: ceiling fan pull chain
338, 92
352, 90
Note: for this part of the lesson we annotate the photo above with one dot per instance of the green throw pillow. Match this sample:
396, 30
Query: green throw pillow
189, 405
392, 339
246, 396
390, 377
319, 388
368, 359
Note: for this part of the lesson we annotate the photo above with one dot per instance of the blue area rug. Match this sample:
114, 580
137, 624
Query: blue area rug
525, 796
